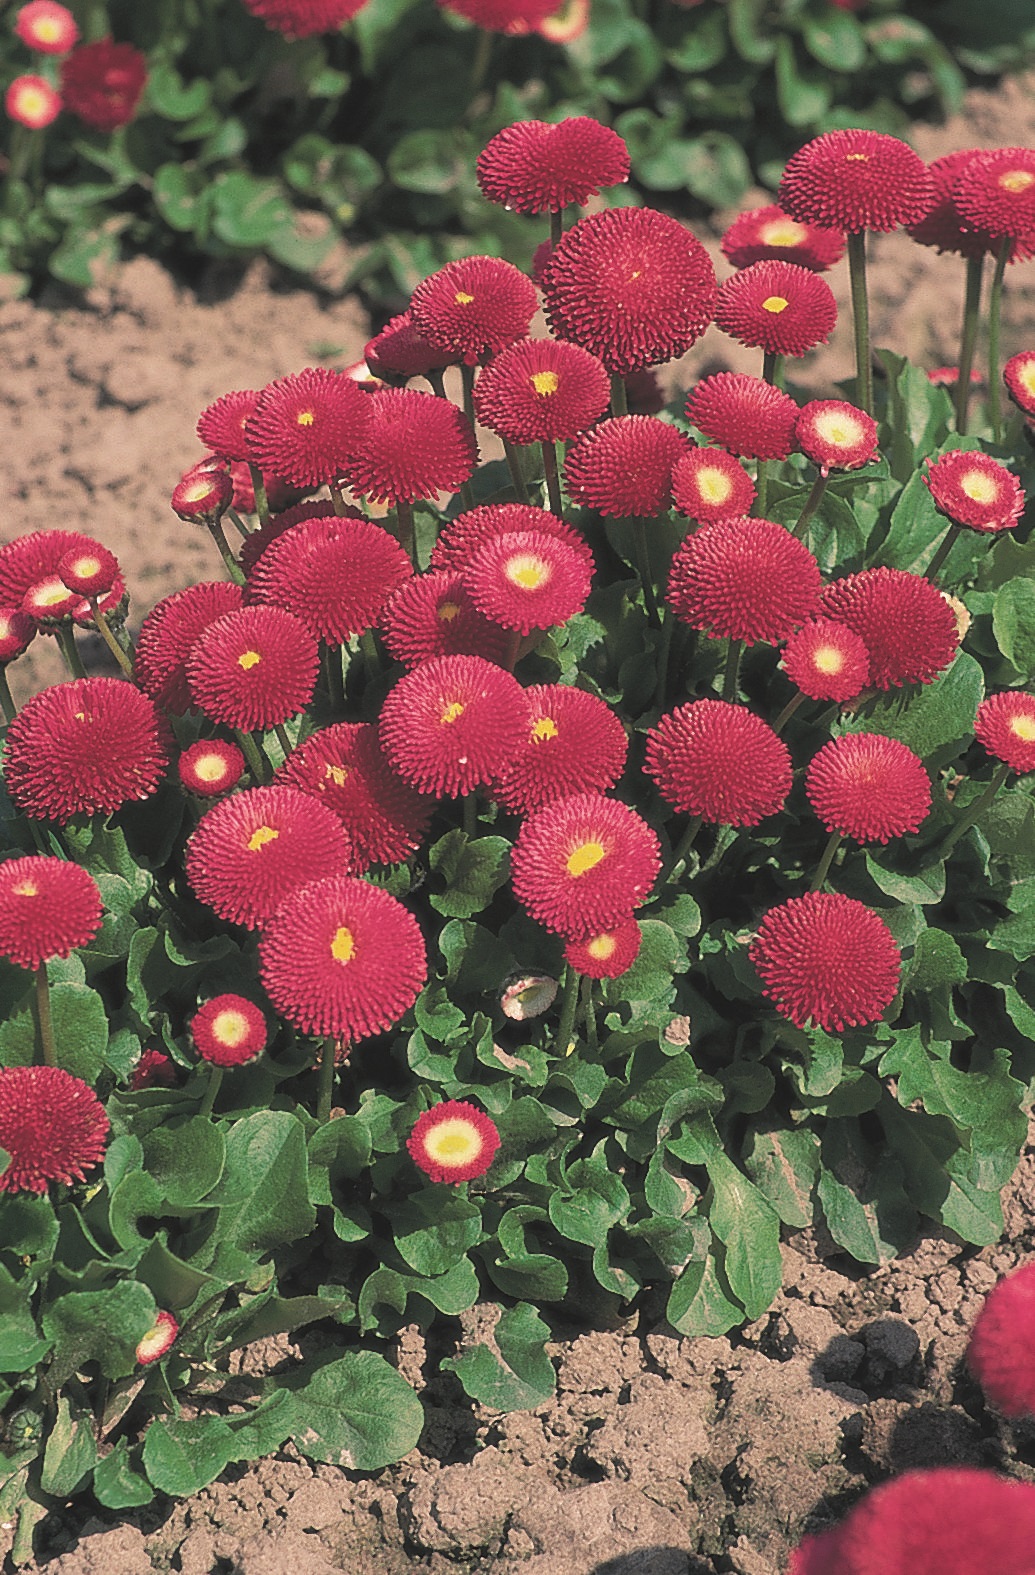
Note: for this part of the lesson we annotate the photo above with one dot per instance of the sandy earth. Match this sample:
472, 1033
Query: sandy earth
659, 1455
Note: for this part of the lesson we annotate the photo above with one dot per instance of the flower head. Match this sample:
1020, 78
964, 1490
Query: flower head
630, 284
532, 167
202, 495
744, 414
253, 668
1005, 724
158, 1340
835, 435
306, 426
453, 1141
527, 580
47, 27
475, 528
343, 958
51, 1124
719, 761
502, 16
89, 571
250, 850
541, 390
974, 489
85, 747
625, 465
473, 306
744, 579
210, 767
709, 484
48, 907
400, 351
17, 632
827, 660
433, 615
154, 1070
304, 18
33, 559
995, 191
451, 723
827, 959
779, 306
945, 227
581, 864
229, 1030
1019, 377
167, 637
334, 575
999, 1352
608, 954
103, 82
255, 544
574, 743
528, 996
856, 179
769, 232
907, 626
31, 101
414, 445
868, 787
222, 425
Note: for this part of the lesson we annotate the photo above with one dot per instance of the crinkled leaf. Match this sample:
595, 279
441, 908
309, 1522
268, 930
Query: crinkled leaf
182, 1457
513, 1372
118, 1483
71, 1451
749, 1228
357, 1413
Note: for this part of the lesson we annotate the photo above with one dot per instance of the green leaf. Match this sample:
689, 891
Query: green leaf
935, 722
472, 869
699, 1303
182, 1457
169, 96
452, 1293
750, 1230
263, 1192
182, 196
716, 168
1016, 934
937, 963
802, 93
594, 1199
752, 39
427, 161
339, 1151
917, 418
836, 40
925, 887
532, 1274
99, 1326
661, 957
1013, 624
80, 1032
357, 1413
513, 1373
434, 1229
783, 1166
185, 1159
117, 1483
277, 1315
247, 210
20, 1344
71, 1451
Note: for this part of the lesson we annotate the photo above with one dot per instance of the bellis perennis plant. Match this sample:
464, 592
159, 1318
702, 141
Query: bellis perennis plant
347, 906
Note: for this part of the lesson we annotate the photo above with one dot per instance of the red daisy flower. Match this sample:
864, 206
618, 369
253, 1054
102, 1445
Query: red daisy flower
607, 955
229, 1030
1005, 724
835, 435
469, 532
344, 767
433, 615
304, 18
400, 351
780, 307
51, 1124
49, 601
158, 1340
31, 101
827, 660
1019, 377
167, 636
333, 574
907, 626
342, 957
527, 580
857, 179
769, 232
573, 743
413, 446
28, 560
255, 544
453, 1141
868, 787
103, 82
502, 16
48, 28
474, 306
253, 668
999, 1352
154, 1070
744, 414
945, 227
633, 285
210, 767
451, 723
827, 959
48, 908
974, 489
222, 425
17, 632
532, 167
996, 192
85, 747
89, 571
542, 390
202, 495
250, 850
948, 1520
306, 426
719, 761
709, 484
744, 579
625, 465
582, 864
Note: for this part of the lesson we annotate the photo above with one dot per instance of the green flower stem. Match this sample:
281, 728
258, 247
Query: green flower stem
811, 504
69, 650
668, 621
480, 64
407, 536
761, 487
337, 497
262, 502
44, 1020
284, 741
968, 337
619, 395
215, 1079
7, 704
589, 1012
435, 378
250, 750
788, 711
325, 1089
371, 660
772, 368
471, 813
974, 813
861, 321
732, 673
643, 568
823, 867
682, 851
553, 482
105, 631
569, 1001
556, 225
945, 546
333, 676
240, 525
995, 305
516, 475
230, 563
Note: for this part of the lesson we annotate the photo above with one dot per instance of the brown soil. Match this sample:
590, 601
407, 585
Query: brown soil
659, 1455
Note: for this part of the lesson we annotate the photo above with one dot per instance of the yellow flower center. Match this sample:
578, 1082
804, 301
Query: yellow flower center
545, 382
585, 857
197, 491
230, 1027
50, 593
210, 767
782, 232
86, 566
979, 485
462, 298
248, 660
527, 571
31, 101
453, 1142
260, 837
828, 659
305, 418
1027, 377
775, 303
25, 888
48, 29
337, 774
838, 428
1023, 726
343, 946
543, 728
601, 947
1016, 181
448, 611
713, 484
451, 713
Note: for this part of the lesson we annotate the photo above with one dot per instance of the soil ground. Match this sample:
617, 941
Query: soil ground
659, 1455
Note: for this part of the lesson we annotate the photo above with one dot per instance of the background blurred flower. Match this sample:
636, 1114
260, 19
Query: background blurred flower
103, 83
